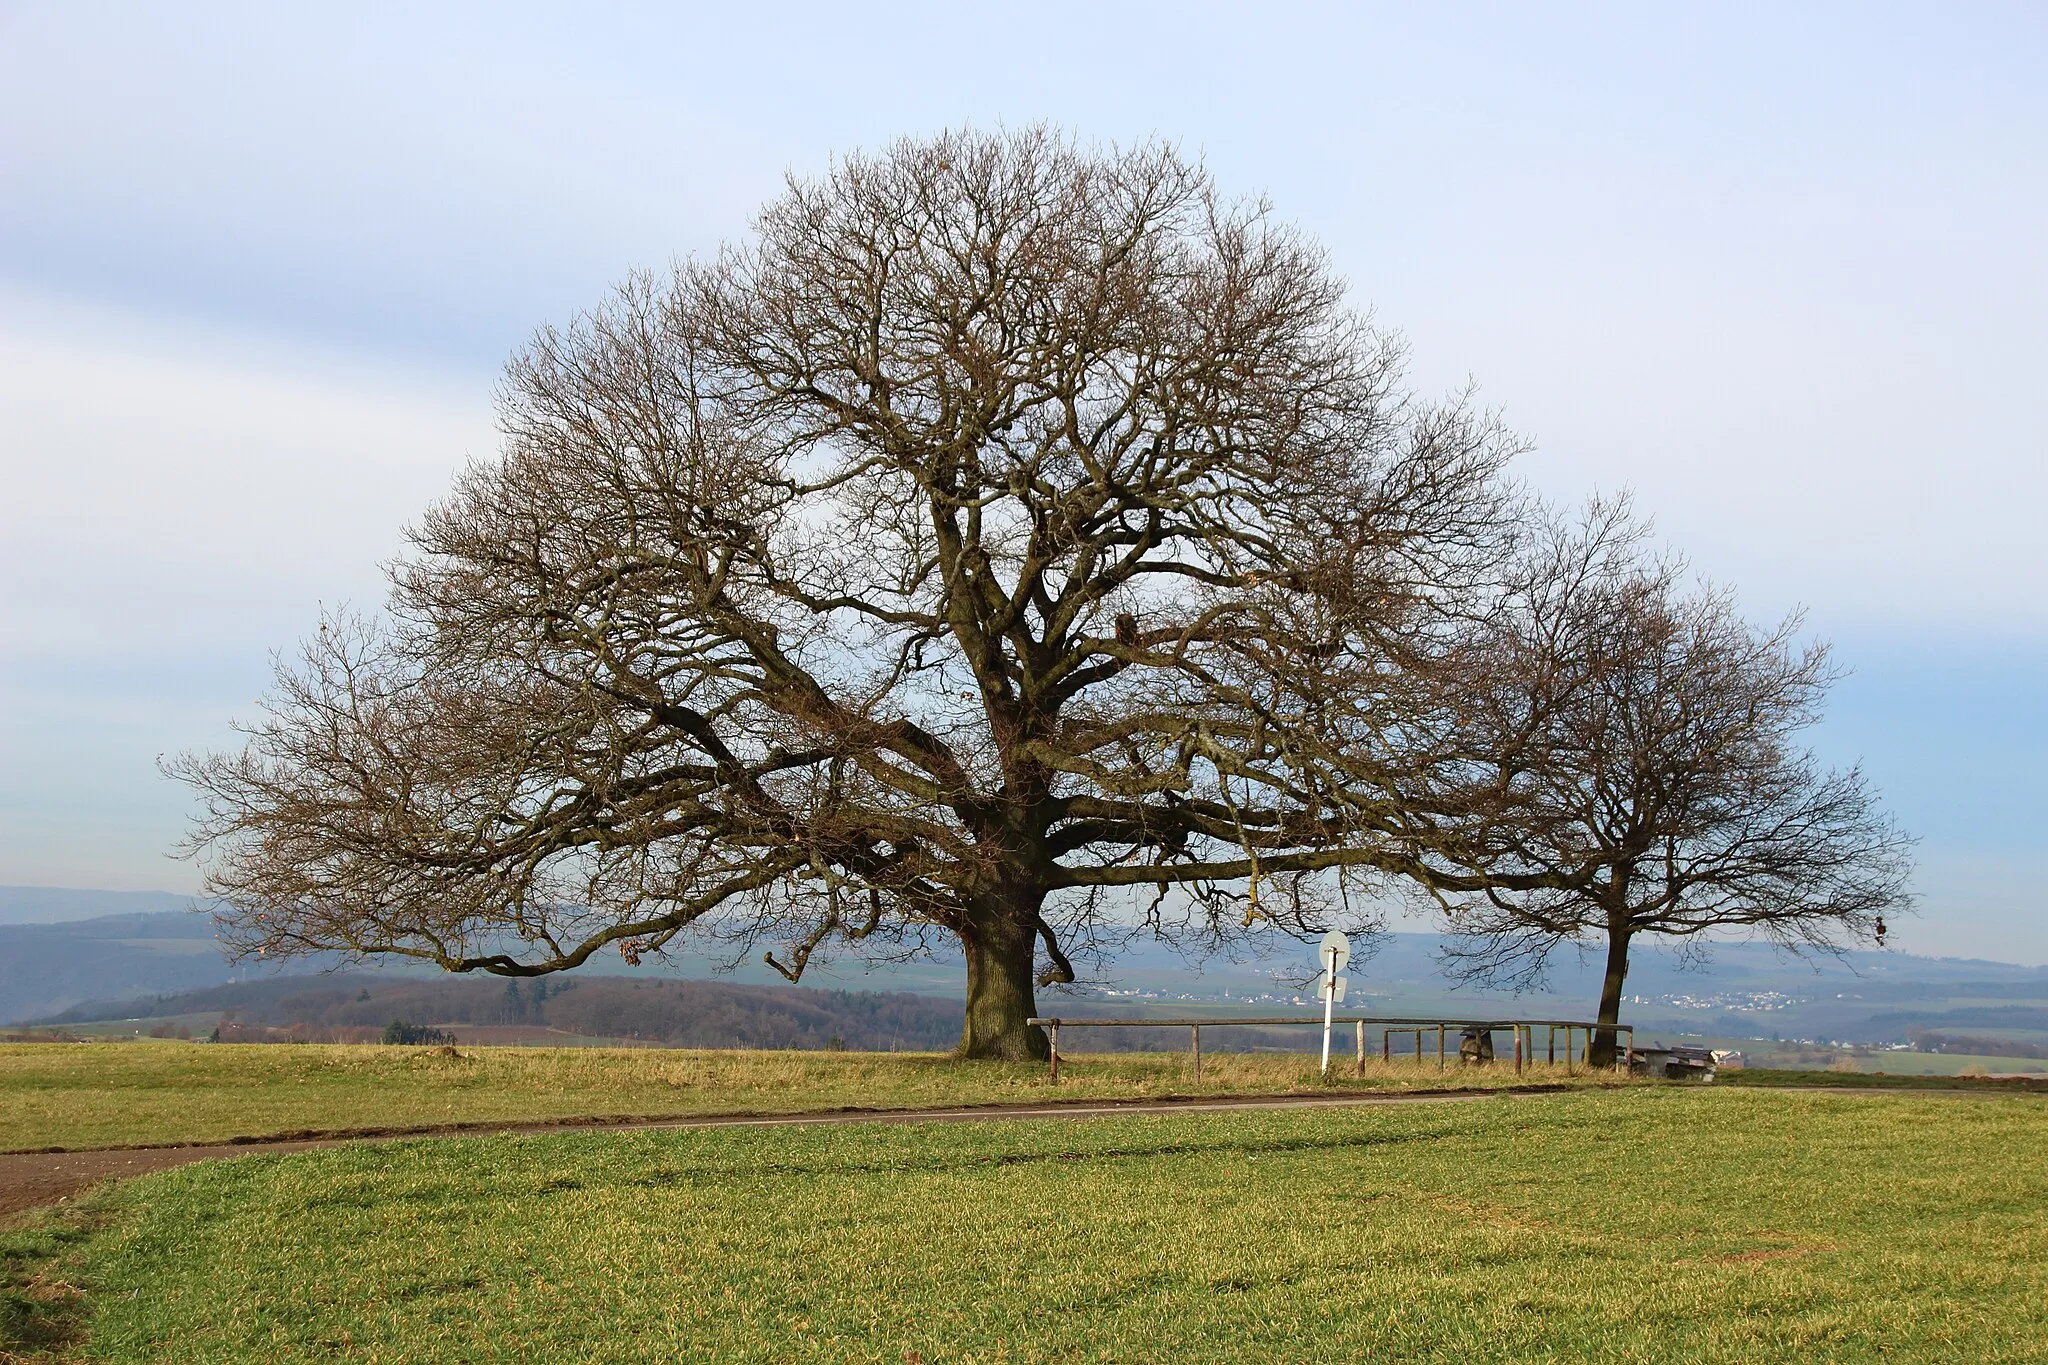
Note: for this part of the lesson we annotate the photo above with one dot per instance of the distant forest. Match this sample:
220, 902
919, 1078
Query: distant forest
345, 1008
675, 1013
1924, 1040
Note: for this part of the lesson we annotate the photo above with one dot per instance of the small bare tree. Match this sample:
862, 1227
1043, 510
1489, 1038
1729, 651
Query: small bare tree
1002, 526
1646, 776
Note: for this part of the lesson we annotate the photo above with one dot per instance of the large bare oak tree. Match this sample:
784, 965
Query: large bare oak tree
1008, 541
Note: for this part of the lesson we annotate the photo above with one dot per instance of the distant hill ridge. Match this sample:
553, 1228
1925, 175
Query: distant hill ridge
60, 905
139, 953
705, 1014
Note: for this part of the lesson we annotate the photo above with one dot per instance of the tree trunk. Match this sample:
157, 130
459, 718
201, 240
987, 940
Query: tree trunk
1000, 994
1602, 1051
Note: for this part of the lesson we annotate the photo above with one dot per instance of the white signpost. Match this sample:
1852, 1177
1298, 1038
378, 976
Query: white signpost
1334, 953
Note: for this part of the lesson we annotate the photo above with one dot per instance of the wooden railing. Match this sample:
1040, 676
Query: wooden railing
1524, 1031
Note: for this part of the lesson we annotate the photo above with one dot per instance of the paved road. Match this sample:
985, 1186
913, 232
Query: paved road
33, 1178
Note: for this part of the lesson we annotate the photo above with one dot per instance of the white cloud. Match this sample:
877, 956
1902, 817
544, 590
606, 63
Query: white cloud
177, 505
175, 490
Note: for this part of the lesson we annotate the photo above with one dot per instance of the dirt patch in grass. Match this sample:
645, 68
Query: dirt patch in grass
43, 1312
37, 1179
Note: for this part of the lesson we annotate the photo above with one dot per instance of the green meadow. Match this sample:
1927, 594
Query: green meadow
111, 1094
1653, 1224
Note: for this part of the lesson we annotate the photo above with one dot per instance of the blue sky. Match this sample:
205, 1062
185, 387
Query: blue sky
1777, 269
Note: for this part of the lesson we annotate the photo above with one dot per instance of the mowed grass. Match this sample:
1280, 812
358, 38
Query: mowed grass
1653, 1224
112, 1094
1889, 1080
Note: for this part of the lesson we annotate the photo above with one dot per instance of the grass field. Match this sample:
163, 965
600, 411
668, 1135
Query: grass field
1653, 1224
1807, 1057
108, 1094
1942, 1064
1889, 1080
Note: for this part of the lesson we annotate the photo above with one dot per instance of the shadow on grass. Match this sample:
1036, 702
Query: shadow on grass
924, 1164
717, 1174
43, 1315
1877, 1080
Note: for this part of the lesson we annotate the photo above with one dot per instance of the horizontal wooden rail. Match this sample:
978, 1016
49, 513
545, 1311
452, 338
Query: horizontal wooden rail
1317, 1021
1389, 1024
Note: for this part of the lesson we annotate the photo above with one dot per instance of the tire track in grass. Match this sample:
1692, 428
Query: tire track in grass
32, 1179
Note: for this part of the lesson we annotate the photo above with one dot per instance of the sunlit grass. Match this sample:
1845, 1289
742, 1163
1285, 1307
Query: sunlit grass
1654, 1225
105, 1094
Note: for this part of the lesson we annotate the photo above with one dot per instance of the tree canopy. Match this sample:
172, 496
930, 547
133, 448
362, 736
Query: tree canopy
1644, 740
1006, 541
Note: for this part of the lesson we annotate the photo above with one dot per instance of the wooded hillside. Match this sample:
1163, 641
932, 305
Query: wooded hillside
677, 1013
